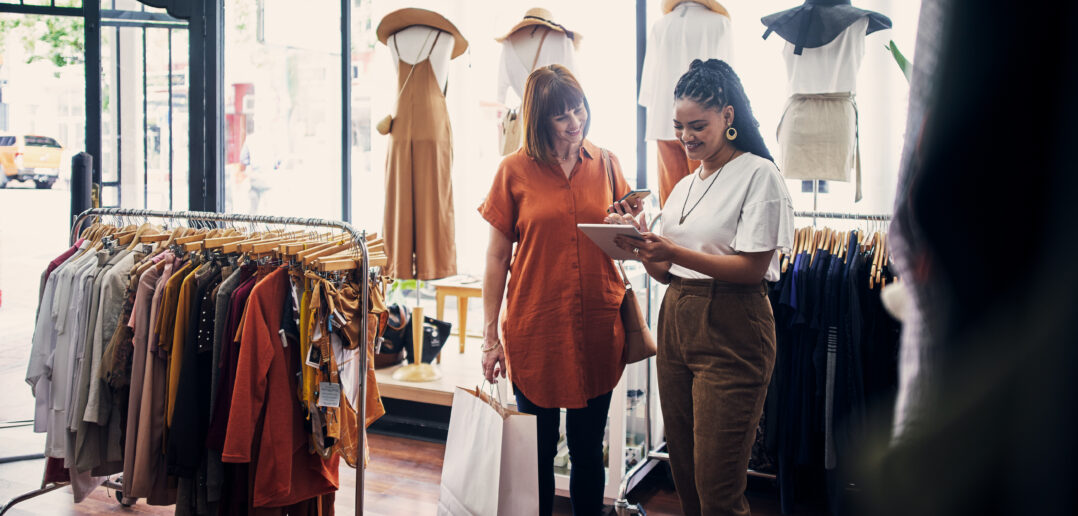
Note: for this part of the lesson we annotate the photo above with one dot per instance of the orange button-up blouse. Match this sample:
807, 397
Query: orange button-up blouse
562, 333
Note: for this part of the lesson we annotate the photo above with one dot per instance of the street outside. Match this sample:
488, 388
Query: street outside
33, 231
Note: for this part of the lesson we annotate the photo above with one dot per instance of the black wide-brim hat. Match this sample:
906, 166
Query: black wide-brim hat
817, 22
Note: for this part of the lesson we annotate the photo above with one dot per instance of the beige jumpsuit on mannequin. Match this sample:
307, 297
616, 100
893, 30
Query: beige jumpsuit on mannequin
419, 225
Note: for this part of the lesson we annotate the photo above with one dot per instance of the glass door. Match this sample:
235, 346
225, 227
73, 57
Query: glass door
144, 119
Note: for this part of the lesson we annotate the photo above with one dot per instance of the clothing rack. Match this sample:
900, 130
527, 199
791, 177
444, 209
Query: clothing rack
841, 216
358, 238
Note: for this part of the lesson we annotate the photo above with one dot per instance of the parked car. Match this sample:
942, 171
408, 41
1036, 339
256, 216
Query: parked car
30, 157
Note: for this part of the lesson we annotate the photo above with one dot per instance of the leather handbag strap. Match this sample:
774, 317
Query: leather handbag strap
614, 198
610, 175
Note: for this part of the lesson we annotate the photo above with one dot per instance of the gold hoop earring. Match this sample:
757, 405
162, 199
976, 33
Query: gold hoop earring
731, 133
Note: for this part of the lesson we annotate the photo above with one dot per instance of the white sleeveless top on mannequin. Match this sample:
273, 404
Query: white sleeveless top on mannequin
518, 52
416, 41
831, 68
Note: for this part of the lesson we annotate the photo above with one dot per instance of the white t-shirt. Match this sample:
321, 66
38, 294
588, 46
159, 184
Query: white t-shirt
415, 43
518, 52
747, 210
831, 68
690, 31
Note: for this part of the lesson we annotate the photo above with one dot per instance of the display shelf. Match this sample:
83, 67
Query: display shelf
458, 369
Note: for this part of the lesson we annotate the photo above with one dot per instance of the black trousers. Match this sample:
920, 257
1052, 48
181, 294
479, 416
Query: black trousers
584, 430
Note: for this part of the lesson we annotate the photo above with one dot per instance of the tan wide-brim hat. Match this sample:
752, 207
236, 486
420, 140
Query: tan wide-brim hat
669, 5
403, 18
540, 16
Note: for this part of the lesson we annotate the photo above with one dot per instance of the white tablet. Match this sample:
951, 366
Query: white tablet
603, 236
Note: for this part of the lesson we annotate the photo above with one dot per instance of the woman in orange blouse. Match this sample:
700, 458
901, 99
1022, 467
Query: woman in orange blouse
561, 336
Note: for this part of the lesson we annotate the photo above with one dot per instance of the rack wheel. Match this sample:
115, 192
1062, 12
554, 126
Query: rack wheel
126, 502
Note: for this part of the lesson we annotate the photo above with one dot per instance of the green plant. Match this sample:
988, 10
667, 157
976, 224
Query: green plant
57, 39
903, 64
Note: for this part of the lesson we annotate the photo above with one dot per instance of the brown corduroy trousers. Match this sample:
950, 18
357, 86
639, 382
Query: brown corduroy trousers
716, 353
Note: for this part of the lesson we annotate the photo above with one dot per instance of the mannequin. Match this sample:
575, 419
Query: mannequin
825, 42
416, 41
419, 223
537, 39
688, 30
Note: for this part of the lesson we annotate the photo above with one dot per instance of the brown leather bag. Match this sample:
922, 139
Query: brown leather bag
639, 342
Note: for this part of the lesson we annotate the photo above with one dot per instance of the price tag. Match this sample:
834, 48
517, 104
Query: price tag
329, 394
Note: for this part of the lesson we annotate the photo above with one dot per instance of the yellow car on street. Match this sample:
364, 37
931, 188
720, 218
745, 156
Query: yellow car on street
30, 157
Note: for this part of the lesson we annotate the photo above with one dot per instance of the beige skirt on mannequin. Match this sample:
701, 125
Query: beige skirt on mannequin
818, 138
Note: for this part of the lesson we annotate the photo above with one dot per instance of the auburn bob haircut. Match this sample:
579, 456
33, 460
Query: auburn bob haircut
549, 92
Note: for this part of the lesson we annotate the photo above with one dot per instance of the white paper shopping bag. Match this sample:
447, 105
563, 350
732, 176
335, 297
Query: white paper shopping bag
490, 465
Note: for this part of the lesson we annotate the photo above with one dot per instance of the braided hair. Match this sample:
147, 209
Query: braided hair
713, 84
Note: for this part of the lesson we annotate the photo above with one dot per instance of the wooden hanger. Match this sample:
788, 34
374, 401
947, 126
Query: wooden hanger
291, 249
349, 258
309, 258
875, 250
245, 245
219, 241
234, 246
153, 237
883, 258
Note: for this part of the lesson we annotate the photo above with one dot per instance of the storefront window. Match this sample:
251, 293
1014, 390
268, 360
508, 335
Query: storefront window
42, 124
282, 79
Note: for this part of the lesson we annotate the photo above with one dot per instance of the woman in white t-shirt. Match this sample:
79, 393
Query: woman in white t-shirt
721, 229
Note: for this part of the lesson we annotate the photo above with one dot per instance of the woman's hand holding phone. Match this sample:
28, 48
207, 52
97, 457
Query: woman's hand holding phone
632, 203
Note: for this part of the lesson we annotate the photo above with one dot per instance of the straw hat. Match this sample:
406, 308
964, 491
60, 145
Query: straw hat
540, 16
669, 5
402, 18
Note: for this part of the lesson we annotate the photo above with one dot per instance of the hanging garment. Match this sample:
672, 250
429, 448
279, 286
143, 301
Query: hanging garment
140, 317
112, 415
836, 365
264, 402
419, 221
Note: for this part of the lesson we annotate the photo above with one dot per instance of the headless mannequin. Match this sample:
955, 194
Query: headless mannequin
414, 43
525, 42
556, 48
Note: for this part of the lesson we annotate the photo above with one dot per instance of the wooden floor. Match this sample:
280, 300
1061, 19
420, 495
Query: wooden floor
402, 480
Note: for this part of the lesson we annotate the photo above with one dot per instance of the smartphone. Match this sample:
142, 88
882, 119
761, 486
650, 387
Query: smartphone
633, 197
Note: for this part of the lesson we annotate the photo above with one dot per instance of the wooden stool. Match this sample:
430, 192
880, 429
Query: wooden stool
462, 292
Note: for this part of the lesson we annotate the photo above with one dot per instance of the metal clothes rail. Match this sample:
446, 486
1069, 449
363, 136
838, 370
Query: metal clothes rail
841, 216
358, 238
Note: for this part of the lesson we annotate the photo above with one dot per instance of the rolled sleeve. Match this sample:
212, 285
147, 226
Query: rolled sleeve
765, 226
500, 206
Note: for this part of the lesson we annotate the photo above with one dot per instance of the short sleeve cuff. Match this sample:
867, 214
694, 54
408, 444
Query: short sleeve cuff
499, 221
765, 226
